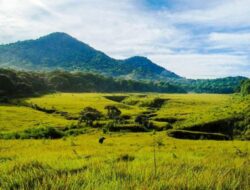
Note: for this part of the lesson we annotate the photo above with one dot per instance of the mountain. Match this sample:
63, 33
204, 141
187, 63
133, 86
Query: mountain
61, 51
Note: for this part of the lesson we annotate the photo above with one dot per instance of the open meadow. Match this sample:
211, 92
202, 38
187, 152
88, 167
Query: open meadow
52, 142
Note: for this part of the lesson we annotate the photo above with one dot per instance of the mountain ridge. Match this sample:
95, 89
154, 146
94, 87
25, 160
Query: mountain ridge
61, 51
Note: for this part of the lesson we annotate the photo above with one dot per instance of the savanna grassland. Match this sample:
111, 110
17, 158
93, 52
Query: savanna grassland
44, 145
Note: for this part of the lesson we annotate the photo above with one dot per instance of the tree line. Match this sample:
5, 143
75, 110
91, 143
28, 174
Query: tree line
26, 83
225, 85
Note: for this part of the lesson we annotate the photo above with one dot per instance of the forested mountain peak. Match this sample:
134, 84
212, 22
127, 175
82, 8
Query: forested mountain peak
61, 51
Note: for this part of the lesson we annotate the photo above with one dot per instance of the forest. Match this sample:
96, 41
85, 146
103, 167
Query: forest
27, 83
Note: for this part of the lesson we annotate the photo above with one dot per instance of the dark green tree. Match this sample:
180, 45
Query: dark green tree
113, 112
89, 115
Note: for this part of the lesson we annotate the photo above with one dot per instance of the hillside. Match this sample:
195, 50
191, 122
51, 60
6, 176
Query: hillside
245, 87
61, 51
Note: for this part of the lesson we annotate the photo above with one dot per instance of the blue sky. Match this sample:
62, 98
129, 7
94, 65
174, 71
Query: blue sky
193, 38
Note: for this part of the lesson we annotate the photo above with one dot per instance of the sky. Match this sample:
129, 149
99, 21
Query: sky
193, 38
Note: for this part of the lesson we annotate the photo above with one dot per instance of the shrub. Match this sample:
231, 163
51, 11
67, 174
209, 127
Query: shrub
40, 133
89, 115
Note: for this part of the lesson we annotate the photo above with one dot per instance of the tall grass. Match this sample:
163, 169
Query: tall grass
181, 164
125, 160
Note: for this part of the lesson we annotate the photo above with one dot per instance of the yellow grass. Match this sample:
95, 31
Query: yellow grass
18, 118
81, 162
125, 160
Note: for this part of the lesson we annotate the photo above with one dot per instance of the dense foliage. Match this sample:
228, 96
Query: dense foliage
245, 87
14, 83
225, 85
28, 83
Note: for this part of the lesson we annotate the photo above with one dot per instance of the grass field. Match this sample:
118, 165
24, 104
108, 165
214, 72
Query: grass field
149, 160
186, 108
124, 161
18, 118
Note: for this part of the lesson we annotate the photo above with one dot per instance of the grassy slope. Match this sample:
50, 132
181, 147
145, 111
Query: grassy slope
75, 102
82, 162
197, 109
18, 118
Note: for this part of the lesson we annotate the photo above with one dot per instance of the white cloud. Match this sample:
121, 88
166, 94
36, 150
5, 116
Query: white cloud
224, 14
205, 66
125, 28
236, 41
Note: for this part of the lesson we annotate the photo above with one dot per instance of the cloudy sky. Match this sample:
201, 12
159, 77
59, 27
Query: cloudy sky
193, 38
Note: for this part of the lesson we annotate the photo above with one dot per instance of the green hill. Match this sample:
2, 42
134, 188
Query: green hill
61, 51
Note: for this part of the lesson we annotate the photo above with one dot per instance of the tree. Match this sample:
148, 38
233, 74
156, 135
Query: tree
89, 115
113, 112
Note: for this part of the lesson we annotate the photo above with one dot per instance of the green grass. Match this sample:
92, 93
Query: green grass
19, 118
125, 160
73, 103
186, 109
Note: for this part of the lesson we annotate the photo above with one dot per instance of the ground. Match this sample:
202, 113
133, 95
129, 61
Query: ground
126, 160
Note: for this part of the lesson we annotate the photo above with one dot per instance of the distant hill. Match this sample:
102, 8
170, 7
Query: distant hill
61, 51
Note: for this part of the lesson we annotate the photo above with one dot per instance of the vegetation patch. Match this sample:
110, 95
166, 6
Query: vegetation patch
194, 135
44, 133
35, 133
